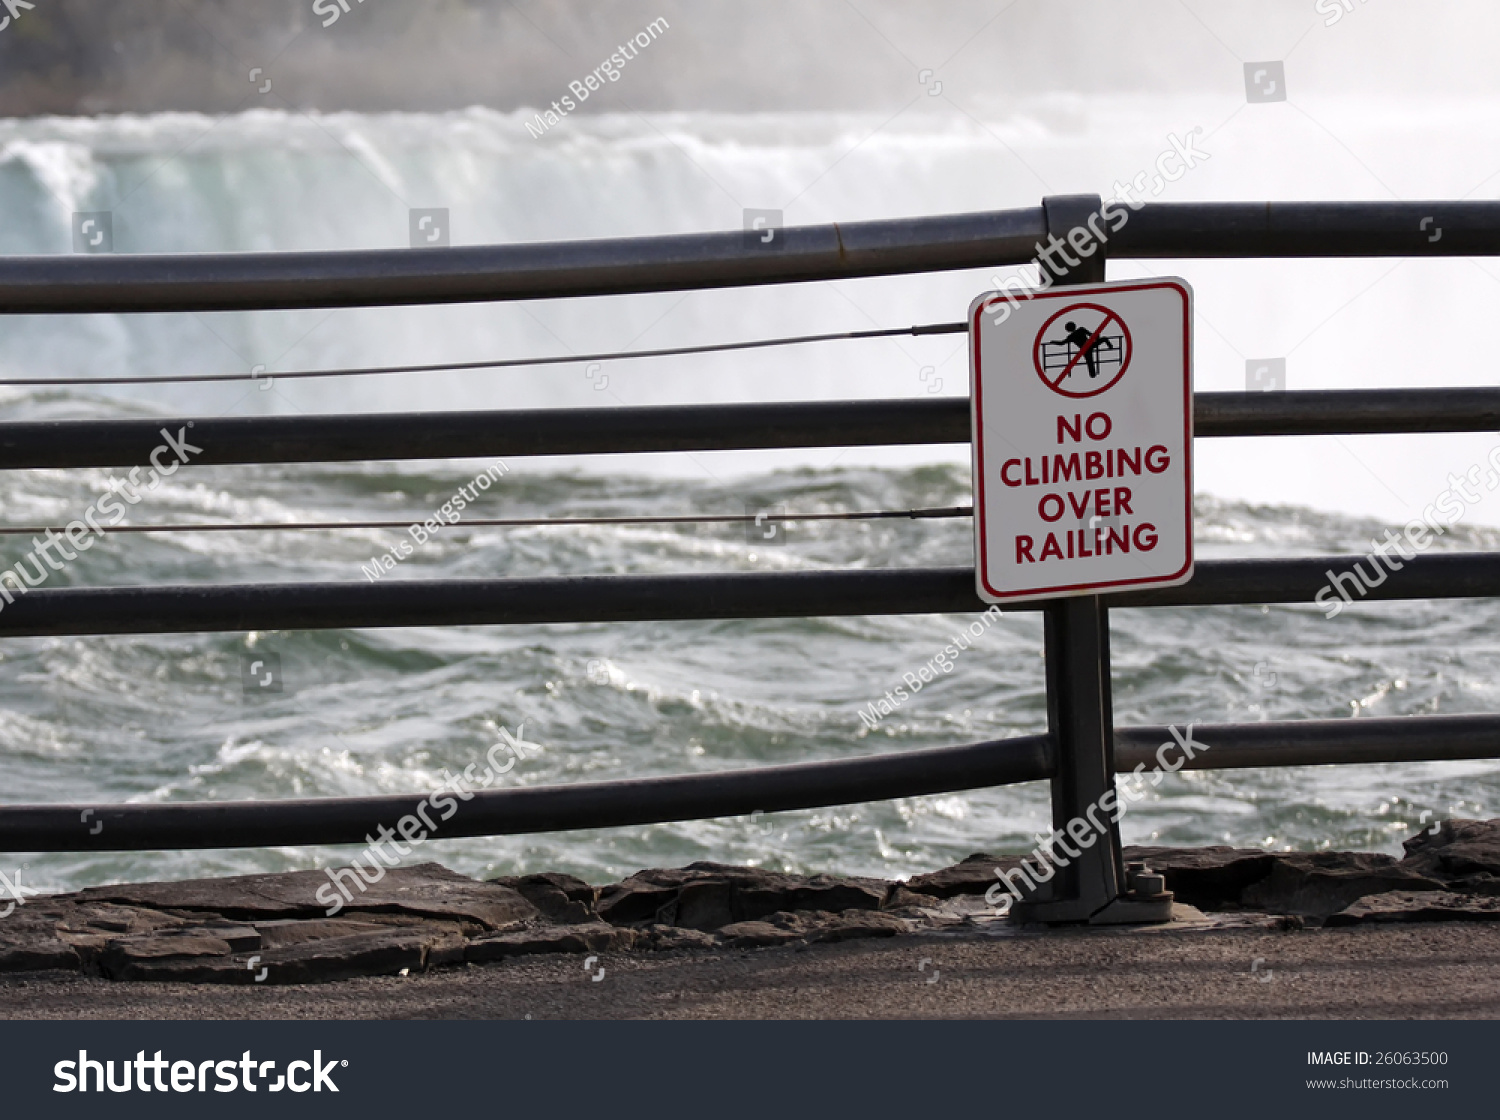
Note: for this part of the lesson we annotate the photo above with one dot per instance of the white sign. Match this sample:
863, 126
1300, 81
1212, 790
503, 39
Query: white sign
1082, 400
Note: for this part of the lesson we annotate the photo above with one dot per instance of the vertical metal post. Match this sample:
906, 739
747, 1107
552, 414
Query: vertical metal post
1080, 721
1080, 712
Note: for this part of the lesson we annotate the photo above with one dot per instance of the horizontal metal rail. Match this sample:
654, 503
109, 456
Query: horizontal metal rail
543, 270
510, 432
1314, 412
770, 789
805, 785
714, 427
581, 599
538, 270
1313, 742
1451, 575
1195, 230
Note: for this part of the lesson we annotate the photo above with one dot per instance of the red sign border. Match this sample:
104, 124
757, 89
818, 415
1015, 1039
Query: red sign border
977, 413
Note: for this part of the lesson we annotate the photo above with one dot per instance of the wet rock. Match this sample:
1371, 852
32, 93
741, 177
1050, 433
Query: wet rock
560, 898
38, 955
592, 936
1212, 877
973, 875
775, 929
900, 898
1476, 884
757, 935
665, 939
288, 894
272, 929
29, 942
450, 949
853, 925
703, 905
108, 923
1418, 906
818, 892
426, 889
281, 932
378, 953
120, 954
959, 910
1461, 849
1208, 877
785, 927
239, 938
572, 887
652, 896
1319, 884
113, 920
708, 896
430, 890
635, 900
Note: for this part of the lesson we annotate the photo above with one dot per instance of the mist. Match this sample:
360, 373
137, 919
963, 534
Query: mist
827, 112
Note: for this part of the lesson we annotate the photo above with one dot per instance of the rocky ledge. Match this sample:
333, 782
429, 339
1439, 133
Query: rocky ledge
272, 929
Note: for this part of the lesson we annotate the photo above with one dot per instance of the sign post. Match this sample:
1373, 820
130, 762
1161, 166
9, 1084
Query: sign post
1082, 435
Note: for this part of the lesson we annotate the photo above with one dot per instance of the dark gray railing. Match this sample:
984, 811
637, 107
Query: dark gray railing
386, 277
698, 427
1077, 630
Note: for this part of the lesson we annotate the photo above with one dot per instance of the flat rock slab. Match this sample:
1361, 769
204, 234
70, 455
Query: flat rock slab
708, 896
1418, 906
973, 875
758, 935
36, 952
593, 936
134, 950
1460, 849
1459, 855
274, 929
561, 898
427, 889
852, 926
1320, 884
380, 953
282, 932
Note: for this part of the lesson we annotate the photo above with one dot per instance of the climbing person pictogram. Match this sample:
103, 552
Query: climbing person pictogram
1082, 343
1082, 339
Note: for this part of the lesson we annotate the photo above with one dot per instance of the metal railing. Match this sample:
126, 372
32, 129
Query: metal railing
1077, 629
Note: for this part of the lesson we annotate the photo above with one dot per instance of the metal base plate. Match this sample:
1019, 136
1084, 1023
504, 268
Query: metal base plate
1124, 911
1132, 911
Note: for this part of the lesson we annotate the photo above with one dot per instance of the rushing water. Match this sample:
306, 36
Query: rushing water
151, 719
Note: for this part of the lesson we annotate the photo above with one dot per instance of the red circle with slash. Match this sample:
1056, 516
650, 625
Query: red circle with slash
1055, 383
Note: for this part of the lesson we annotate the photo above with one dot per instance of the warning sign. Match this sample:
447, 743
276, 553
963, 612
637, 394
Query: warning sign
1082, 401
1089, 334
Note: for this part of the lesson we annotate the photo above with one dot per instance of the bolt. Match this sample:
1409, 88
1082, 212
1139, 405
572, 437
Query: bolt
1149, 884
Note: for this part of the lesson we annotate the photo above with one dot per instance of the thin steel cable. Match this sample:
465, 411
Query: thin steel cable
499, 363
511, 522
